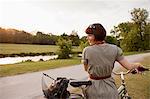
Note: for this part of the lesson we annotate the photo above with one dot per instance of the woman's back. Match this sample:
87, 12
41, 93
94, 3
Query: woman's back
101, 60
98, 60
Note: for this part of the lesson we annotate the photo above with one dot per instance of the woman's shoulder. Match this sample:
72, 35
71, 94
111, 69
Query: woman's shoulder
106, 45
111, 45
115, 47
88, 48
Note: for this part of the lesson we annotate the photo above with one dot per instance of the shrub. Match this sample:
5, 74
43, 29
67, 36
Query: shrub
65, 48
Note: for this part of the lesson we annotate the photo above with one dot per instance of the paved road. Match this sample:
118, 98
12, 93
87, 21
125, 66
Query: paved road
28, 86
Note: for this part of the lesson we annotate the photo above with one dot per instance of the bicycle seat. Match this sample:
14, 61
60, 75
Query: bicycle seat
80, 83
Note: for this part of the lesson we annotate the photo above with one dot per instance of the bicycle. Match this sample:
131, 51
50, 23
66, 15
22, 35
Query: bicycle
122, 90
58, 88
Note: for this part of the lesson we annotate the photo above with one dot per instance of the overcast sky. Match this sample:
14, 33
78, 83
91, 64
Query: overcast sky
59, 16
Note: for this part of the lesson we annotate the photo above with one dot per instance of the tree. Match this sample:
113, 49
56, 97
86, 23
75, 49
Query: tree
134, 35
74, 38
22, 37
83, 43
115, 32
147, 37
42, 38
64, 36
65, 48
111, 40
139, 17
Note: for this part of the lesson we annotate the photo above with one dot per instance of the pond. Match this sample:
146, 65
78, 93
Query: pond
12, 60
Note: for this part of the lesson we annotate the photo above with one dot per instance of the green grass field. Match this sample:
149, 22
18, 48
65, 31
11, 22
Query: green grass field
138, 85
27, 48
132, 53
25, 67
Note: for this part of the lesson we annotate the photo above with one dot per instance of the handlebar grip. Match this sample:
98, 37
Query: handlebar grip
140, 69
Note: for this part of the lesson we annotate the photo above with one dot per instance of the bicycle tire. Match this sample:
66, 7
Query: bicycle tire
126, 97
75, 96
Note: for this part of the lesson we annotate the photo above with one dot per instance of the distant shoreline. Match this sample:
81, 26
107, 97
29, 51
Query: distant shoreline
26, 54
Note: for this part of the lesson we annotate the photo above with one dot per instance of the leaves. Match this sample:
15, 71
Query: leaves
65, 48
134, 36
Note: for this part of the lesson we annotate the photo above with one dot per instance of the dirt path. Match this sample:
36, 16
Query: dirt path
28, 86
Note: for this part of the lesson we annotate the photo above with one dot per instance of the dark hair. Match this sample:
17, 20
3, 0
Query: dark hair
97, 30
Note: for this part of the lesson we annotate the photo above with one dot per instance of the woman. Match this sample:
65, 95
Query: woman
98, 60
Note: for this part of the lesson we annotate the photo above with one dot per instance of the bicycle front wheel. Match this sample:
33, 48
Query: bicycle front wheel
126, 97
76, 96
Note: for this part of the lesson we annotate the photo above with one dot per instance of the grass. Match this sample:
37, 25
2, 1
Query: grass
132, 53
29, 48
138, 85
26, 48
25, 67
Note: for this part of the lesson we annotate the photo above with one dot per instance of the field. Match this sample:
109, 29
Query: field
28, 48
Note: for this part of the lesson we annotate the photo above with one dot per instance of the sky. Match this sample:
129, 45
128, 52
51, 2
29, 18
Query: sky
64, 16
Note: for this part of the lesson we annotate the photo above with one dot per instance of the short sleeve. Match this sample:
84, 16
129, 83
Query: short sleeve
84, 57
119, 54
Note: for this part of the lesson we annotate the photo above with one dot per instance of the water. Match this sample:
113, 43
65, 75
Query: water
12, 60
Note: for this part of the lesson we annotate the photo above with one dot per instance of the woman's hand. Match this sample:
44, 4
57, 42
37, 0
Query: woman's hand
139, 68
136, 65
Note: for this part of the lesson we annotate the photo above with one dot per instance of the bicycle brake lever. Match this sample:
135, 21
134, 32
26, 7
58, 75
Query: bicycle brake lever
134, 71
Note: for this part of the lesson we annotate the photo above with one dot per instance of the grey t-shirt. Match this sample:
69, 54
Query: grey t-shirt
100, 60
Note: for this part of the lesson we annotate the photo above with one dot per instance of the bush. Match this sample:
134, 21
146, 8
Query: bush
65, 48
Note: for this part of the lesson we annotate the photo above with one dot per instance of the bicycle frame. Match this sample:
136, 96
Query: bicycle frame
122, 91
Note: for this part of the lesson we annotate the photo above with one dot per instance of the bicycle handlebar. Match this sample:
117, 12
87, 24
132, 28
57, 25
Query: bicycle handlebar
124, 73
133, 71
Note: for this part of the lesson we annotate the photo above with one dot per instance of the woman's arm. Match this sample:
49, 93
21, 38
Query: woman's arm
85, 64
85, 67
125, 63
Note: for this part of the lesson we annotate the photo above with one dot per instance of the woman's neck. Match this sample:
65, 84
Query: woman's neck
99, 42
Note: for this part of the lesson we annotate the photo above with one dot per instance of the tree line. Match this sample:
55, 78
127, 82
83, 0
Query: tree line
22, 37
134, 35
